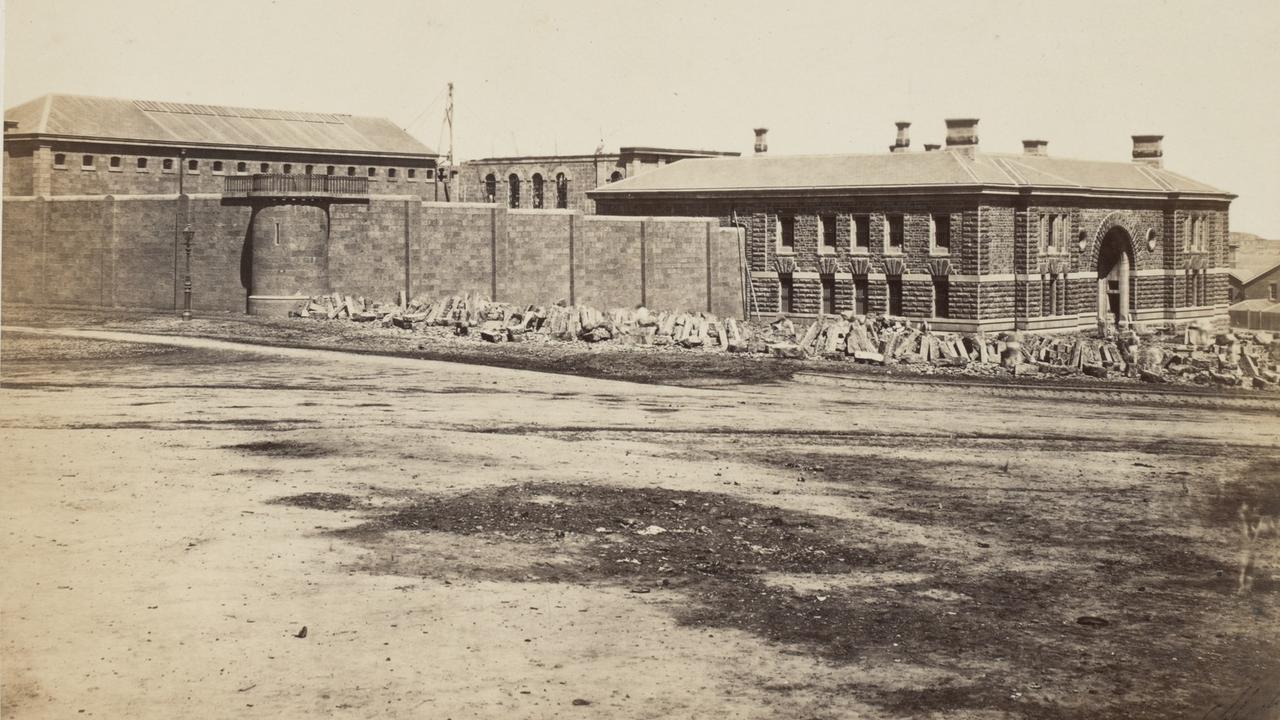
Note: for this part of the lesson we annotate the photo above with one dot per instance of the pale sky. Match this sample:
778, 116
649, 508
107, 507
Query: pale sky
545, 77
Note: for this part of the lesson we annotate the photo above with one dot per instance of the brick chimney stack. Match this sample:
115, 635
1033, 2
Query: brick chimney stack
762, 142
1035, 147
903, 142
1149, 150
962, 136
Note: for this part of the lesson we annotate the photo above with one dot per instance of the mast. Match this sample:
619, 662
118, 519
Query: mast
448, 165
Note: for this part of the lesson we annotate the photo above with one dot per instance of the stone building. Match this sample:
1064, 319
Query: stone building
967, 239
59, 145
540, 182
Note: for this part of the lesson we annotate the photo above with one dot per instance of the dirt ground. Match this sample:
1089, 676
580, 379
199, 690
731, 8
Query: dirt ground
466, 541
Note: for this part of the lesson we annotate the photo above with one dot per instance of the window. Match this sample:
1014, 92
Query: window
1274, 288
351, 171
862, 232
1055, 294
431, 173
860, 294
412, 173
217, 167
193, 166
513, 189
330, 170
784, 293
827, 229
141, 164
616, 176
86, 162
167, 165
894, 283
786, 234
538, 191
309, 170
264, 168
277, 234
114, 163
287, 168
893, 225
490, 188
562, 191
391, 173
829, 294
941, 296
1053, 233
242, 167
60, 160
373, 172
940, 232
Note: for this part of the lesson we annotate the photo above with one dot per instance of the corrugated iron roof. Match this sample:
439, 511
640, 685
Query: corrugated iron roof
162, 122
898, 170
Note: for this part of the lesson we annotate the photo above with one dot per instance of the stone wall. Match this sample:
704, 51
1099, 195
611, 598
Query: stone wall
127, 252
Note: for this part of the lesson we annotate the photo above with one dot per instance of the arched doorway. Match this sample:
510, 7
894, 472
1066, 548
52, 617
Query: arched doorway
1115, 262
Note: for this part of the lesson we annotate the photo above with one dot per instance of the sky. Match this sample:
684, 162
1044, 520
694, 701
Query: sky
548, 77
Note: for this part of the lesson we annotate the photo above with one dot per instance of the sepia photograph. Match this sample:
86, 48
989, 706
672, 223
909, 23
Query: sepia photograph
649, 360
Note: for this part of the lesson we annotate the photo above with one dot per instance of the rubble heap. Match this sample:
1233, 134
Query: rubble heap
1194, 353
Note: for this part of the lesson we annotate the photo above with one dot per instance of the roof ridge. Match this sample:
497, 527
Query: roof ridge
43, 125
972, 175
1065, 181
1155, 178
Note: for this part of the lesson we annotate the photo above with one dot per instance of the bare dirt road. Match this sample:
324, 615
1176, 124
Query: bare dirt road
463, 541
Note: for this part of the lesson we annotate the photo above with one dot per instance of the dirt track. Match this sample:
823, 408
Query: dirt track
464, 541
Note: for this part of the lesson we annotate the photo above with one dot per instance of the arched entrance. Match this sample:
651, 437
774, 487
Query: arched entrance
1115, 261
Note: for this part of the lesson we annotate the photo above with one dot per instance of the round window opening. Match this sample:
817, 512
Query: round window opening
1151, 239
1082, 240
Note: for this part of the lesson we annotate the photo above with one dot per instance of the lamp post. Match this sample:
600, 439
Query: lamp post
188, 232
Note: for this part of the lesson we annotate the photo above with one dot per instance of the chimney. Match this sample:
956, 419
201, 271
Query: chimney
931, 147
1035, 147
903, 141
762, 142
962, 135
1149, 150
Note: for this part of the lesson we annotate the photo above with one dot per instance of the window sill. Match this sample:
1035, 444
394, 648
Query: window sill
88, 169
142, 170
114, 170
785, 251
939, 253
59, 167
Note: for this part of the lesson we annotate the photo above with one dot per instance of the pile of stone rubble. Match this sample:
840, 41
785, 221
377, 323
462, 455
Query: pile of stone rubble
1193, 353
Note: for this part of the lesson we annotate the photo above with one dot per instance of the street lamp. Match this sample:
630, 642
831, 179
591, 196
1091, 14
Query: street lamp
188, 232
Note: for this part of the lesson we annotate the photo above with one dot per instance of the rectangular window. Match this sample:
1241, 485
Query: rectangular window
114, 164
277, 234
217, 167
167, 165
860, 291
264, 167
894, 283
894, 224
351, 171
413, 173
829, 294
941, 296
1275, 288
242, 167
786, 233
941, 226
142, 164
287, 168
373, 172
60, 160
784, 293
330, 170
828, 230
391, 173
309, 169
86, 162
193, 166
431, 173
862, 232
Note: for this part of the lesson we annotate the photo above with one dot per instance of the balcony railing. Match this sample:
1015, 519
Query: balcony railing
282, 184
